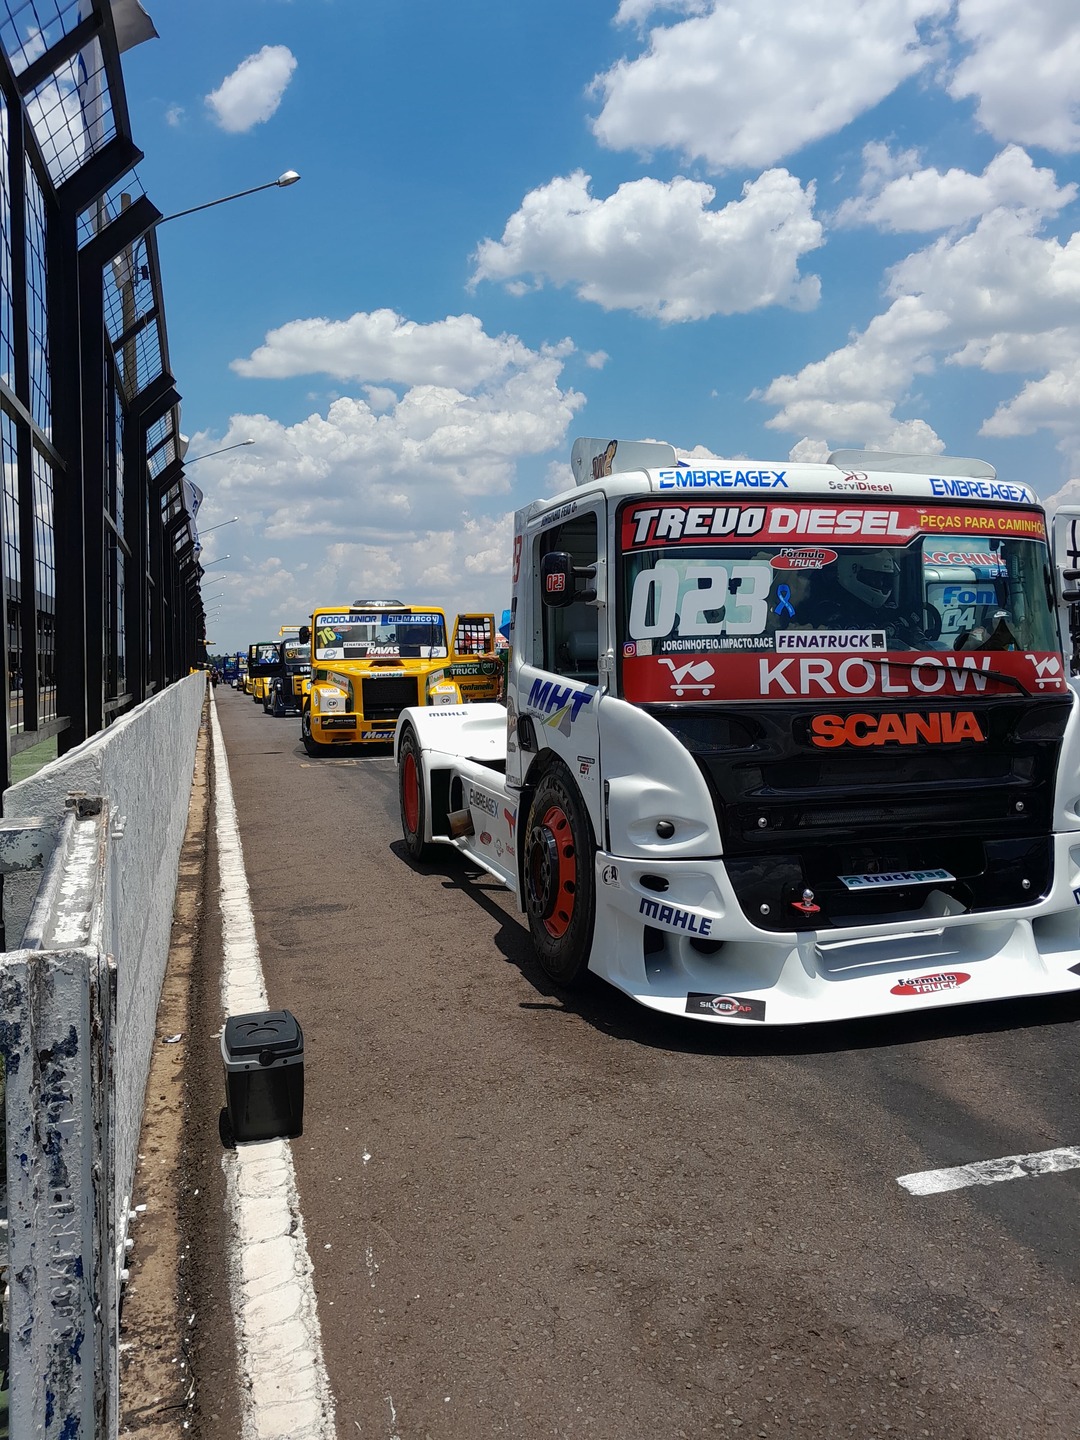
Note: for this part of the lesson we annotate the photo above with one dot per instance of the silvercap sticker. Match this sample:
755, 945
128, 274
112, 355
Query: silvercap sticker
725, 1007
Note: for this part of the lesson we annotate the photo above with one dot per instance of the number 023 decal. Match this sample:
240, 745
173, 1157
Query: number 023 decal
741, 592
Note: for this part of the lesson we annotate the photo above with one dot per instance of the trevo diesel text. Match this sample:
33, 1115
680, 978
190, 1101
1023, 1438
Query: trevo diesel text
782, 743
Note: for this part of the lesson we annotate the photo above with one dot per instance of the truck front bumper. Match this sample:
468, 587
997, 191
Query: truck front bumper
349, 729
673, 935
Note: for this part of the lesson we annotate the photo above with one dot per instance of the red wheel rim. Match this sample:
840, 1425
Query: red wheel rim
410, 792
553, 871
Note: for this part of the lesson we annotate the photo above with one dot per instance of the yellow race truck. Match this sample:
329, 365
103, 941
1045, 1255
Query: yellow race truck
371, 660
262, 662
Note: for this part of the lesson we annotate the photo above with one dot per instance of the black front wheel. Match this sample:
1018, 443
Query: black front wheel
560, 897
411, 795
311, 745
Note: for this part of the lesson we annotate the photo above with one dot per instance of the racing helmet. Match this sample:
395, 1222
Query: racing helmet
870, 577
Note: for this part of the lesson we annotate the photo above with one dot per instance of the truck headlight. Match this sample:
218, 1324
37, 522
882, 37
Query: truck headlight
330, 699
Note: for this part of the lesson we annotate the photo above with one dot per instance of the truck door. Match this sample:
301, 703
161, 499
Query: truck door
556, 686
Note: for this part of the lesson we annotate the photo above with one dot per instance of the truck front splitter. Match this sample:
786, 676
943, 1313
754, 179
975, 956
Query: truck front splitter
672, 935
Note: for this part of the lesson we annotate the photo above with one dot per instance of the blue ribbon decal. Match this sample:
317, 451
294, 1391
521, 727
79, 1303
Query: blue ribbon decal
783, 593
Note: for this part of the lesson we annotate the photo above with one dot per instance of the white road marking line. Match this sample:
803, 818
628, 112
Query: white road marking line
285, 1390
989, 1172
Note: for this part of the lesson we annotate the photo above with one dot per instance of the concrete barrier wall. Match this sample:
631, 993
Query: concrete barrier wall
142, 766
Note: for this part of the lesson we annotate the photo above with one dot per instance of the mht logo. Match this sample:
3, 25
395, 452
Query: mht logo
940, 727
549, 695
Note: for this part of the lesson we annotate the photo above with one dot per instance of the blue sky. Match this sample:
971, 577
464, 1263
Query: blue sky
764, 229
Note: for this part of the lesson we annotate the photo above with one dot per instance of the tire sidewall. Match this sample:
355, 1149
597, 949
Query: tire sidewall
310, 745
565, 958
414, 839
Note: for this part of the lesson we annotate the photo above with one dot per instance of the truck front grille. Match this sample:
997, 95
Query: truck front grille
385, 699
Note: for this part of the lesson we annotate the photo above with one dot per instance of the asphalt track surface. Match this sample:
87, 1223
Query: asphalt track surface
533, 1214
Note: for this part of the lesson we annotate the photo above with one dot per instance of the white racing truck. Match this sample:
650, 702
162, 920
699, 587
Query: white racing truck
782, 743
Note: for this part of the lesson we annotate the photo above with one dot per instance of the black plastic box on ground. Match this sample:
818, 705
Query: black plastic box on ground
264, 1075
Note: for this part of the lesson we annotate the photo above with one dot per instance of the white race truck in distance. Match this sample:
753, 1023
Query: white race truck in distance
783, 742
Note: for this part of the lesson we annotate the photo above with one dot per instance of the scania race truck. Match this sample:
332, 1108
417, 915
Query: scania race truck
372, 659
782, 742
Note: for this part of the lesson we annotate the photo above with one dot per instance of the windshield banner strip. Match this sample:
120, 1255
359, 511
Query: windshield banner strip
656, 679
379, 617
648, 525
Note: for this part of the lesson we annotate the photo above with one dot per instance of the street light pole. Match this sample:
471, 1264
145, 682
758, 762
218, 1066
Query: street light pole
290, 177
196, 458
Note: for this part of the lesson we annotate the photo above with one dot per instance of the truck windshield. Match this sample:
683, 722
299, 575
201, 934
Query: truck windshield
296, 654
362, 635
723, 601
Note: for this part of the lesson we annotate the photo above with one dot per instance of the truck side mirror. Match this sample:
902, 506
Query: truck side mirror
557, 579
305, 635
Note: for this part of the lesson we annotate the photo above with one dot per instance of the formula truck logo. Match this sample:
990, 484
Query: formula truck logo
940, 727
803, 559
930, 984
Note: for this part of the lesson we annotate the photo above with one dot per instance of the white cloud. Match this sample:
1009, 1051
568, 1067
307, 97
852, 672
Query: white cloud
174, 116
382, 345
657, 249
1023, 70
810, 452
927, 199
1069, 494
1052, 402
1002, 298
428, 566
635, 12
252, 93
743, 83
473, 406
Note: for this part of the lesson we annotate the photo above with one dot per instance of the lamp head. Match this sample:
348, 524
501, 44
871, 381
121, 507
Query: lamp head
290, 177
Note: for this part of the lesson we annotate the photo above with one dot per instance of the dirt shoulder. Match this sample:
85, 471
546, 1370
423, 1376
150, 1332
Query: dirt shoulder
178, 1231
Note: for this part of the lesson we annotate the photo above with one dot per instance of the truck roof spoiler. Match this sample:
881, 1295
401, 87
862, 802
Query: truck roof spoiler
886, 462
592, 459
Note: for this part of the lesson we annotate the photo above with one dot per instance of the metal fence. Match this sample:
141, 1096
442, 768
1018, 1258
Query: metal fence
98, 552
99, 574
